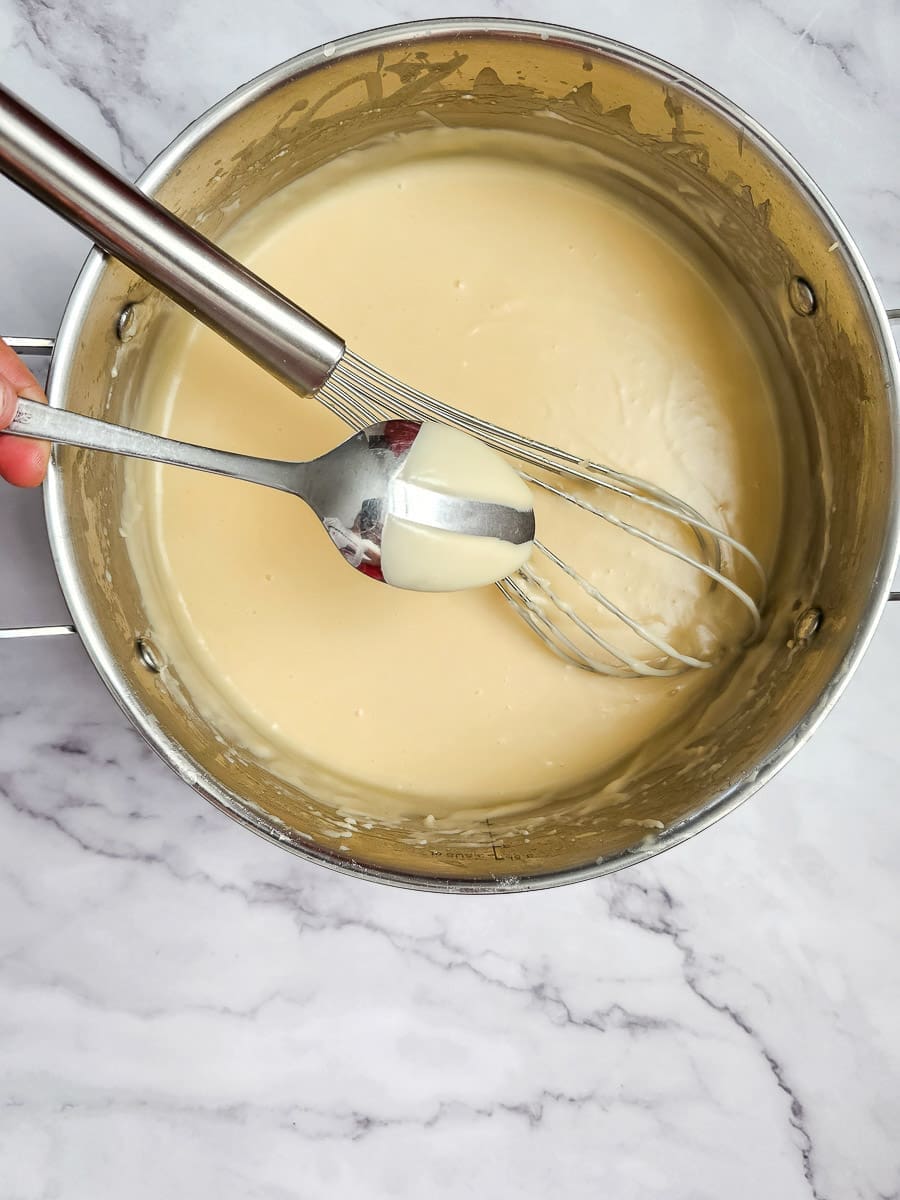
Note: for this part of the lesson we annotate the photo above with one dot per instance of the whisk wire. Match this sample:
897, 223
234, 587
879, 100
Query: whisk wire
706, 568
555, 638
604, 601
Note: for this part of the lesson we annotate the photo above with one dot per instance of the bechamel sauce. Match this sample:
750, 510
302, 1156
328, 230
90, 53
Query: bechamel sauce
414, 556
521, 293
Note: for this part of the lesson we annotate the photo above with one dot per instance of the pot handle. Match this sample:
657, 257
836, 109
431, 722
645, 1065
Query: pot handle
893, 315
30, 347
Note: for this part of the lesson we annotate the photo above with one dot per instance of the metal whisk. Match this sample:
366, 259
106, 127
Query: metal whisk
360, 394
303, 353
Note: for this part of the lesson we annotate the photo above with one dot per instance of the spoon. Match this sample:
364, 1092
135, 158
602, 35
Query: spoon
384, 523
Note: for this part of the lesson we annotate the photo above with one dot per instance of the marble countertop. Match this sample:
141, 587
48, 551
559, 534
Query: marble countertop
187, 1011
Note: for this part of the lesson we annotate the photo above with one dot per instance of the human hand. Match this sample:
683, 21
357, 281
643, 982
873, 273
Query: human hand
22, 461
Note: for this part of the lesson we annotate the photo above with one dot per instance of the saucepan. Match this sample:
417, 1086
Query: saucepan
671, 141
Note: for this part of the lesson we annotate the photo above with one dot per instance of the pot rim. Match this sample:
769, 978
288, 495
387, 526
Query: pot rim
67, 347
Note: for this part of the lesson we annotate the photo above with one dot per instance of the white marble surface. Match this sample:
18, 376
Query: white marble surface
186, 1011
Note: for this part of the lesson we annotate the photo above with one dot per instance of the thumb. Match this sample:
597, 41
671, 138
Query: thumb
8, 402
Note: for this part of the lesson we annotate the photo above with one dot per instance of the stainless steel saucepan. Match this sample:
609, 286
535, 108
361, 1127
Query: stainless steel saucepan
670, 142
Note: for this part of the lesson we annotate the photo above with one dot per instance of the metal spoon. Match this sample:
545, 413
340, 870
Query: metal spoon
353, 489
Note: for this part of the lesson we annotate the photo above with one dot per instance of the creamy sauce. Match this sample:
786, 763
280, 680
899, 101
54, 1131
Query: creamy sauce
523, 294
436, 560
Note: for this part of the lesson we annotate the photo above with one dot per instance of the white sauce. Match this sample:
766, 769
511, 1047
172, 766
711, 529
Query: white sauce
484, 270
445, 460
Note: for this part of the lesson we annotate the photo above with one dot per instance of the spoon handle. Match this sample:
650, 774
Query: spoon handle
33, 420
134, 228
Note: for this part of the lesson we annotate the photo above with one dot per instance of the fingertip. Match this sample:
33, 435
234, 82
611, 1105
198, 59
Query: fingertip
23, 463
13, 368
8, 402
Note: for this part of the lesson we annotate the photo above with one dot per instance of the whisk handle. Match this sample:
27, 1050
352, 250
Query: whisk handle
136, 229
